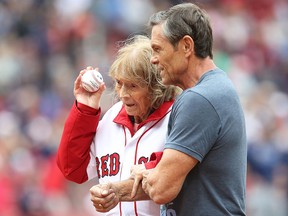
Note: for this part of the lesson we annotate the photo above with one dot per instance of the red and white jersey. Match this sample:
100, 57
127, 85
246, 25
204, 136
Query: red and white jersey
107, 148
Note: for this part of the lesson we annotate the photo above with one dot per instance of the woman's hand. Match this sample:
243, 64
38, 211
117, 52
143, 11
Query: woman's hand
91, 99
103, 197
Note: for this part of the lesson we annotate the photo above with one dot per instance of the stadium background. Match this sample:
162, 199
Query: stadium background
43, 46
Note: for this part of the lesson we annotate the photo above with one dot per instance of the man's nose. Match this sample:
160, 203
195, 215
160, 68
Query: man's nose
154, 60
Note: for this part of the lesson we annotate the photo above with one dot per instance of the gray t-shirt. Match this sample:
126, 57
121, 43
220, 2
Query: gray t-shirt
207, 123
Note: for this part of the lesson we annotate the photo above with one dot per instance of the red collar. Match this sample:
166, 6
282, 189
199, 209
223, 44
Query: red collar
123, 119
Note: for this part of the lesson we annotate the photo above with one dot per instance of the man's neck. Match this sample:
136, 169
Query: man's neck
196, 70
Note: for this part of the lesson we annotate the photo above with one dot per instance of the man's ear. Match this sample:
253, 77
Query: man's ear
188, 44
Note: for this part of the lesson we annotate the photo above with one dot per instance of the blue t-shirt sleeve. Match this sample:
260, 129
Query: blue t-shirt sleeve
193, 126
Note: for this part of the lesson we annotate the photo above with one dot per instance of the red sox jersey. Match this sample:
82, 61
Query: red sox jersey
106, 149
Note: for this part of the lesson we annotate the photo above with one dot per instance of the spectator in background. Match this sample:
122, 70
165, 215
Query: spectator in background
43, 45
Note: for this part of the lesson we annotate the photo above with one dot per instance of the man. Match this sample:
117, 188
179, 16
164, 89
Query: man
203, 167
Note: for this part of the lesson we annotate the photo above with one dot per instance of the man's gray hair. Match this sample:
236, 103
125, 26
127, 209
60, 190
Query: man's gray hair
186, 19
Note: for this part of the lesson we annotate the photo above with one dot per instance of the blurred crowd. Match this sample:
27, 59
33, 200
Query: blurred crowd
45, 43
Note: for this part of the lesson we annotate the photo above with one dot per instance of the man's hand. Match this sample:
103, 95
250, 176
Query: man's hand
136, 173
145, 186
103, 197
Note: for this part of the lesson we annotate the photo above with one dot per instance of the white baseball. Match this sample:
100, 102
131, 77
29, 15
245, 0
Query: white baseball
91, 80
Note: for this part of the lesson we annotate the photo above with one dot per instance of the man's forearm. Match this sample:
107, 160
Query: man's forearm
124, 189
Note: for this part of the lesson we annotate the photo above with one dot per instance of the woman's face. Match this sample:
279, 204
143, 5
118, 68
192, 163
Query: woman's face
136, 99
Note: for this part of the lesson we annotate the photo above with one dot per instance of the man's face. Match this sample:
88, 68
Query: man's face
169, 59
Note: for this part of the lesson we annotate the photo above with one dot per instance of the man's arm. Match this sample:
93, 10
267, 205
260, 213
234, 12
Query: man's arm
165, 181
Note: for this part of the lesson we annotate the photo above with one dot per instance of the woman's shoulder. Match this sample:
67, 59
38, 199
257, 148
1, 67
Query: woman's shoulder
114, 109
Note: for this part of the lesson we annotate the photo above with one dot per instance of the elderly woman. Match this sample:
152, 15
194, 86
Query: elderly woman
128, 132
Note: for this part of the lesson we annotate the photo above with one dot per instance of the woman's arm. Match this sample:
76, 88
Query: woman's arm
73, 153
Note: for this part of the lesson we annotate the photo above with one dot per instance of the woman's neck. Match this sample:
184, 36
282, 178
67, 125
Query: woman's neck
139, 119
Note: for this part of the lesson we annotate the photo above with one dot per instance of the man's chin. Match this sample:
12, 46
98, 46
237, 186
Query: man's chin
166, 81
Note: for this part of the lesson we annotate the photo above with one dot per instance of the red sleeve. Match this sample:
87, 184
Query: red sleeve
154, 160
73, 153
